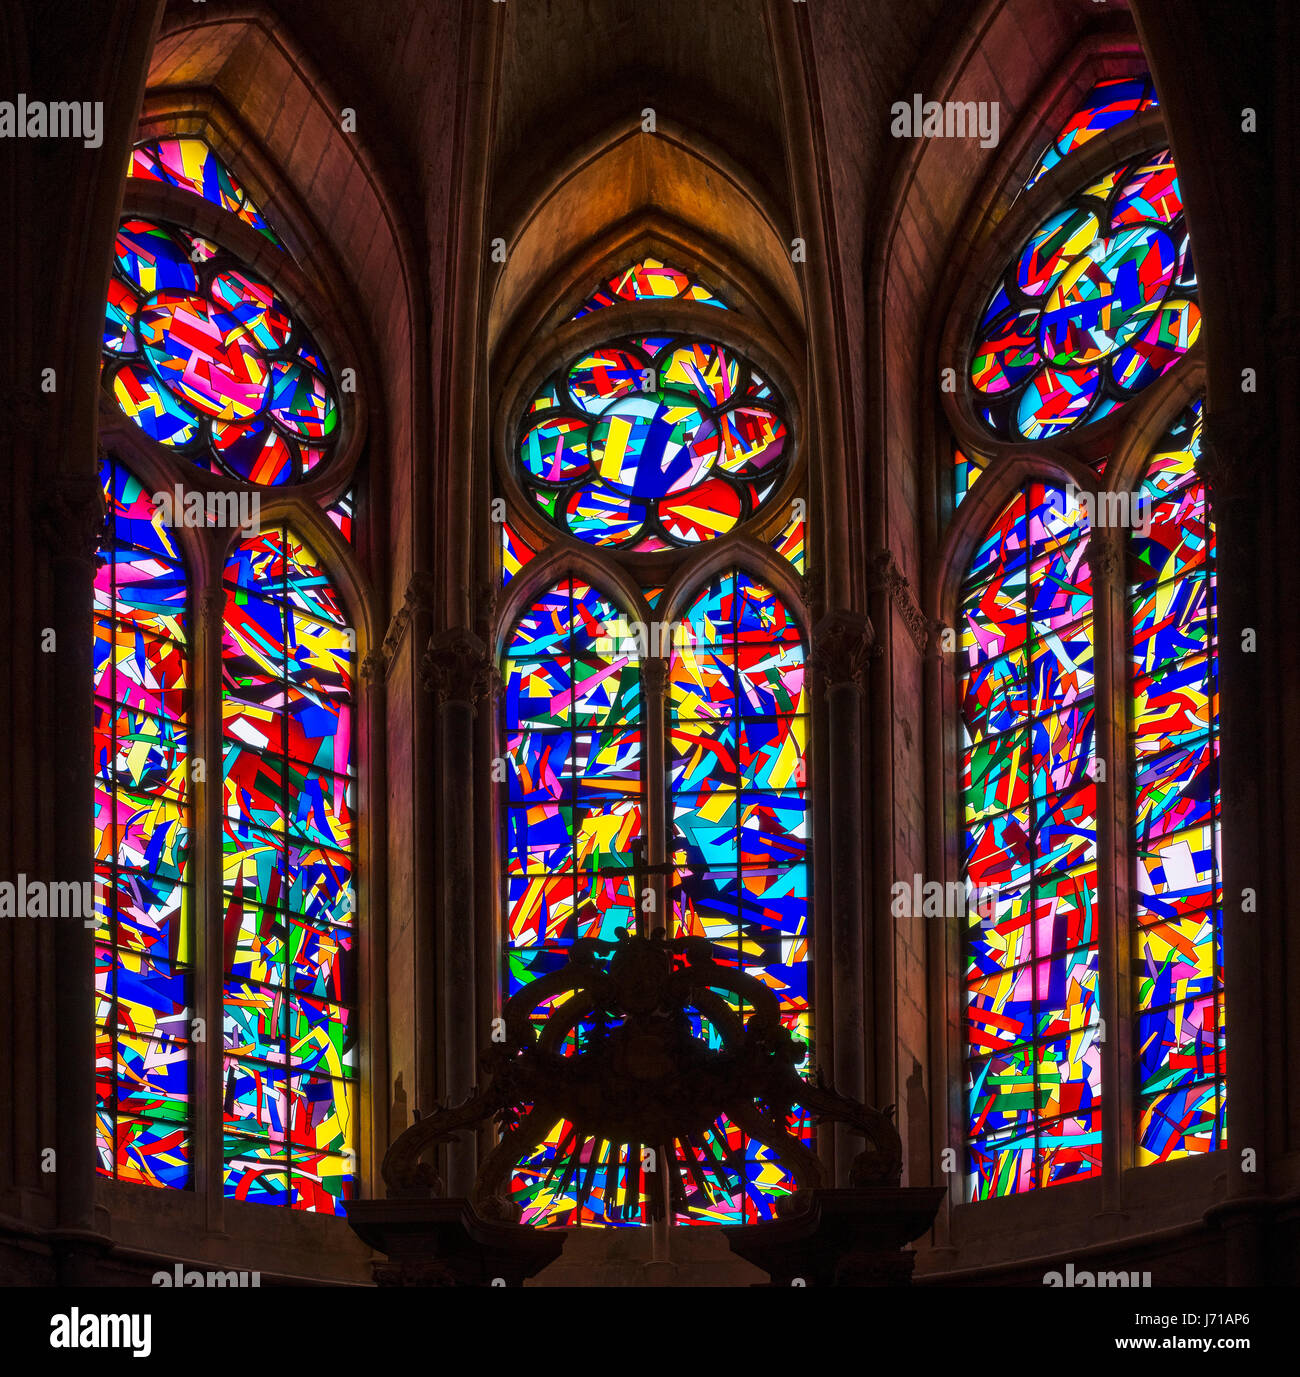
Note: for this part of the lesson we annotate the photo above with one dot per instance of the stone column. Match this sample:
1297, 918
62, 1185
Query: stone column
1232, 454
944, 943
1112, 689
842, 644
658, 828
458, 670
207, 913
71, 520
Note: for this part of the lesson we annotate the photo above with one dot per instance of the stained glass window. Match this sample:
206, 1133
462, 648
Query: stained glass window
342, 513
966, 471
206, 359
1099, 301
191, 165
515, 552
574, 810
653, 443
791, 541
1178, 932
1109, 103
143, 937
574, 822
648, 280
1030, 851
290, 1036
738, 731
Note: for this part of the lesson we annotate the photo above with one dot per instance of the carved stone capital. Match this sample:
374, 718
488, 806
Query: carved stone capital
654, 675
71, 518
843, 644
1105, 553
884, 576
373, 666
457, 668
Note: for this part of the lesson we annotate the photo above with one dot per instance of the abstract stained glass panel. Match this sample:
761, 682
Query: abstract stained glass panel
192, 166
967, 469
574, 829
791, 542
1030, 850
290, 1019
648, 280
203, 355
143, 934
1178, 928
737, 737
653, 443
1109, 103
1099, 301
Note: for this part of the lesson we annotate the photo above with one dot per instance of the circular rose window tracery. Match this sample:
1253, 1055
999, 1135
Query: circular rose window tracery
1098, 303
652, 443
204, 357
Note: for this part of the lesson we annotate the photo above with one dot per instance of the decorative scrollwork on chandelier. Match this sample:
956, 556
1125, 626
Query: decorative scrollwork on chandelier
623, 1058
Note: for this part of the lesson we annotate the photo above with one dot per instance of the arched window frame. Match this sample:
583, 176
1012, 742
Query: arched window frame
317, 294
757, 325
1125, 439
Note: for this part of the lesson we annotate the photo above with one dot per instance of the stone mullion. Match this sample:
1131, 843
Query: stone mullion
1231, 457
654, 783
1106, 551
207, 913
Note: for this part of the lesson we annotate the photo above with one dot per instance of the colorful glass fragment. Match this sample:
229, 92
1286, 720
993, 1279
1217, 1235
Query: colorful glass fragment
791, 541
190, 164
1109, 103
648, 280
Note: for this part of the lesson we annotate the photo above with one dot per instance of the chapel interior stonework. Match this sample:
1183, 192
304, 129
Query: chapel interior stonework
649, 644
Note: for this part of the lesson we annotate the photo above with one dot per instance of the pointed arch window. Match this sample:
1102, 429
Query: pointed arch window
1030, 854
1108, 103
1178, 919
143, 843
223, 394
288, 878
656, 741
1066, 733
